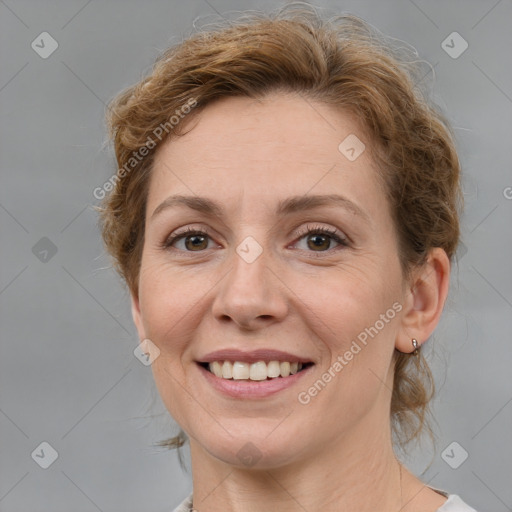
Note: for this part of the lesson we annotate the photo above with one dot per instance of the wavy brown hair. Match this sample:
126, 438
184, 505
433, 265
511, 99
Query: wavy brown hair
340, 61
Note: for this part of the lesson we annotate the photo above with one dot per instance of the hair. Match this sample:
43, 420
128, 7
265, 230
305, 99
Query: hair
341, 61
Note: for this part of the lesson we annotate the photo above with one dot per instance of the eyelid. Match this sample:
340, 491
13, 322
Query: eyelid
332, 232
182, 233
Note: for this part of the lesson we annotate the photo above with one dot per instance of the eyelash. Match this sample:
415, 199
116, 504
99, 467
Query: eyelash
308, 230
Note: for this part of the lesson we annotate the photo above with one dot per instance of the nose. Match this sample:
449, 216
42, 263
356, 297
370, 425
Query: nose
250, 295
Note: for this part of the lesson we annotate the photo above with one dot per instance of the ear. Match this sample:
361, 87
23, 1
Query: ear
424, 300
137, 316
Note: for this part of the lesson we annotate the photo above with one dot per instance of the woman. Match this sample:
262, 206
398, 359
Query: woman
285, 213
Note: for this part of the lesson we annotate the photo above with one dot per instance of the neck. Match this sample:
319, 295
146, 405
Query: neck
344, 474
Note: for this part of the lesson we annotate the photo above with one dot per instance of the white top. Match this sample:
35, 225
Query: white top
455, 504
452, 504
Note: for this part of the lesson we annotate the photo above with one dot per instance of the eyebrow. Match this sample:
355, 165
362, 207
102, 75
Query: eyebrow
285, 207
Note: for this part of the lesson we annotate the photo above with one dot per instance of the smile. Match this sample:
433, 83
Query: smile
258, 371
235, 379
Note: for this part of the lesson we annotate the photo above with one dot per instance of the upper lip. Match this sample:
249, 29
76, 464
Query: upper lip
252, 356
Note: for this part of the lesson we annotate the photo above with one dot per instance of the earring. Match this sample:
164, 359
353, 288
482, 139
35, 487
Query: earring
415, 345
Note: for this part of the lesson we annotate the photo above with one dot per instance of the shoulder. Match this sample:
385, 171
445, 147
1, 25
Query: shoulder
455, 504
186, 505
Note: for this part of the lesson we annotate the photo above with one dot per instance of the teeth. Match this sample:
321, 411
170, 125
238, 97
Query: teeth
253, 371
227, 370
258, 371
273, 369
240, 370
285, 369
216, 368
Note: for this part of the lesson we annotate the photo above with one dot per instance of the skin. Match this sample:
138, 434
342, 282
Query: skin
335, 452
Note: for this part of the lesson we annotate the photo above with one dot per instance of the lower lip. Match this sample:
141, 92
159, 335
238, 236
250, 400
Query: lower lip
252, 388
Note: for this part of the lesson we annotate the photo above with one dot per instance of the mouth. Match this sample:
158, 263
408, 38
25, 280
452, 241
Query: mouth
252, 380
257, 371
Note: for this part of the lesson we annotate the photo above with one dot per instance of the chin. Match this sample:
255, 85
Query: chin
252, 451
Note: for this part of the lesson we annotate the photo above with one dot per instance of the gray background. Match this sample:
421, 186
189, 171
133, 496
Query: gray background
68, 375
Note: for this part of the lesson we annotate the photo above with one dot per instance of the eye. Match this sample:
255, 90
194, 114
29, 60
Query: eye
319, 239
195, 240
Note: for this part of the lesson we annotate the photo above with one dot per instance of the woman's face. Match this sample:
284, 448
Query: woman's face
255, 280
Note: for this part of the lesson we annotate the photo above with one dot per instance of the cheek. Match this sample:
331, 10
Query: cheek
359, 321
168, 300
170, 305
351, 299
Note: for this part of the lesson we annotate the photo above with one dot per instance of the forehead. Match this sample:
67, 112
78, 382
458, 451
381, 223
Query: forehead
281, 145
281, 125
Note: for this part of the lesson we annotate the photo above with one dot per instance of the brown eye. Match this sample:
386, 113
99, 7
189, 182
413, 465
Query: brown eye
196, 242
319, 239
193, 241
